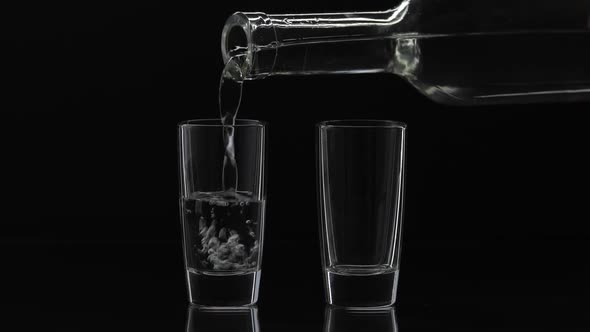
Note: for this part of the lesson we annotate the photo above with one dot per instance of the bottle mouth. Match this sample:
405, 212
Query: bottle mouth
248, 35
236, 37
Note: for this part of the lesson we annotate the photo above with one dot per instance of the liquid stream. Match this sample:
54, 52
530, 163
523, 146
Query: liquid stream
230, 96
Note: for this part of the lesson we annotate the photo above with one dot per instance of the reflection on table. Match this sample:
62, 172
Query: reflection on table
234, 319
342, 319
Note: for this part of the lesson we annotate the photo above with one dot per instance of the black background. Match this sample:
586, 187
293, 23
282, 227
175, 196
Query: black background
495, 236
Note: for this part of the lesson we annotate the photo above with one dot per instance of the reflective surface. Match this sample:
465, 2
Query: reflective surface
233, 319
342, 319
245, 319
119, 300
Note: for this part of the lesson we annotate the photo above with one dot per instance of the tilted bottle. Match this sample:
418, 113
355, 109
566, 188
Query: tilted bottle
453, 51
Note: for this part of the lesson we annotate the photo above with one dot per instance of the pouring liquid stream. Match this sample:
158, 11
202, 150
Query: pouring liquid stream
230, 96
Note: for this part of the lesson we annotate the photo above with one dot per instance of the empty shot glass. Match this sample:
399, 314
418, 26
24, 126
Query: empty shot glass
360, 174
222, 206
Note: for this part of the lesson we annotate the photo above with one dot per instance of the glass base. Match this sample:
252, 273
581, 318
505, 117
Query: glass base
361, 290
222, 289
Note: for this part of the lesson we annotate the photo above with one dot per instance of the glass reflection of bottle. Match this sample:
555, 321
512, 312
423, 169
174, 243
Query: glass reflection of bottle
342, 319
453, 51
226, 319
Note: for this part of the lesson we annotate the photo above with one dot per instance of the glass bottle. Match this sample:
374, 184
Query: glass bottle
461, 52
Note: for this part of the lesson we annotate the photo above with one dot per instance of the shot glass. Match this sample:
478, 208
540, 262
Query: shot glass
360, 175
222, 207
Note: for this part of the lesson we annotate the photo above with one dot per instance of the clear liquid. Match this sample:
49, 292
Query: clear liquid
222, 232
230, 96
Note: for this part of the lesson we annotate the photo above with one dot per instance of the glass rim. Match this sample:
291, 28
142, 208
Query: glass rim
362, 123
216, 122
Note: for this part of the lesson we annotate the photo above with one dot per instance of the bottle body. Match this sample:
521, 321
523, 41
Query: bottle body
453, 51
499, 68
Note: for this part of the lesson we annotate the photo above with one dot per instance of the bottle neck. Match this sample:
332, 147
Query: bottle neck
314, 43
